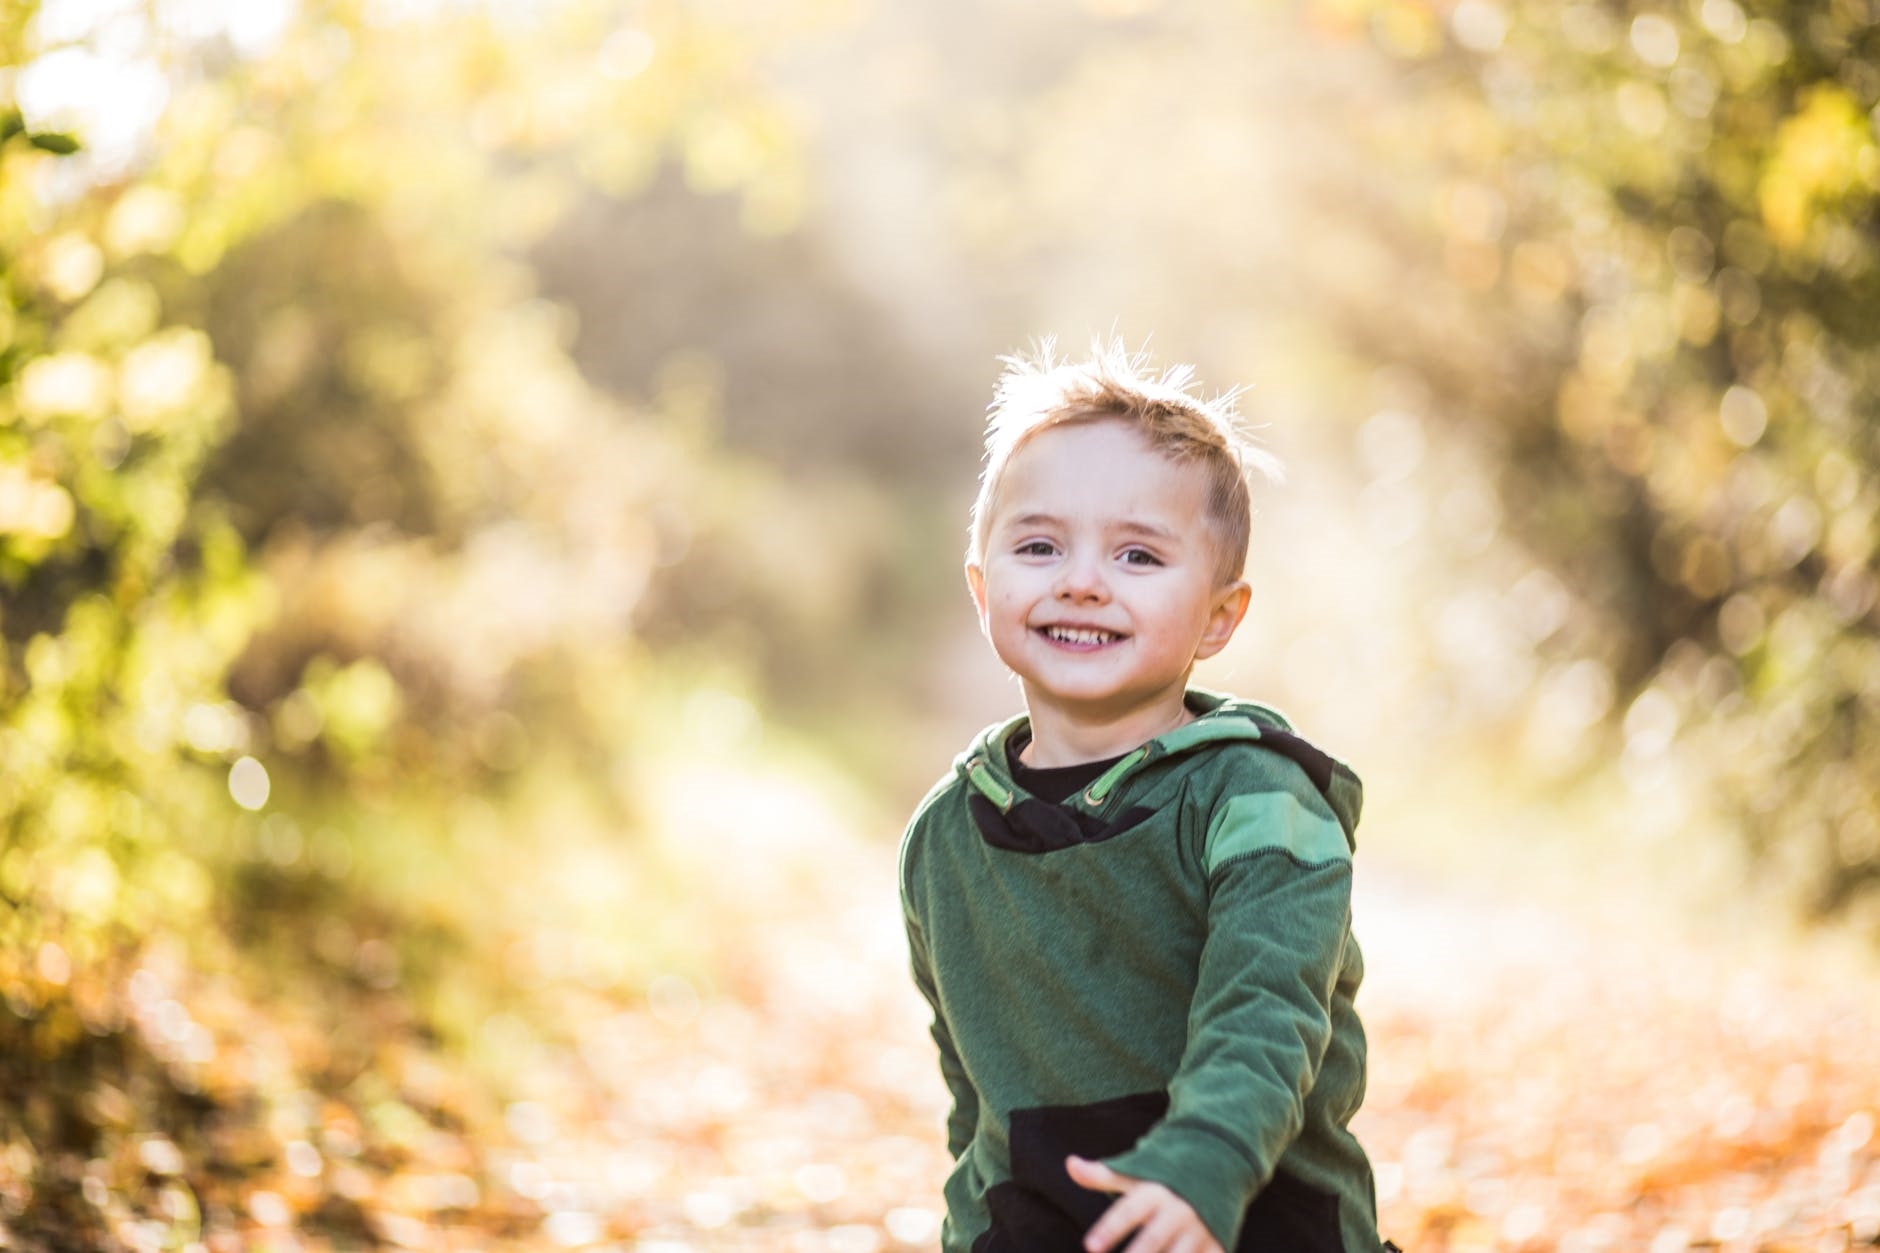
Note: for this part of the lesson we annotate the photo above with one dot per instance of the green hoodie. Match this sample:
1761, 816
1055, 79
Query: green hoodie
1157, 973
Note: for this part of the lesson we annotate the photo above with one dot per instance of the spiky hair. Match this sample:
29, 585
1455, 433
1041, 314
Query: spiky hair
1039, 391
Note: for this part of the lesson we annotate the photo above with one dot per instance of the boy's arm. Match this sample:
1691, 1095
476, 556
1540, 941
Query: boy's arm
963, 1118
1279, 883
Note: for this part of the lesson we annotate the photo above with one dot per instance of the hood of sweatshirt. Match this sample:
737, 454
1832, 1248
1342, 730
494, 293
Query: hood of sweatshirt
1011, 818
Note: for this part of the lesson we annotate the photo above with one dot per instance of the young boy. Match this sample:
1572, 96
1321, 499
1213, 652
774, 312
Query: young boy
1129, 908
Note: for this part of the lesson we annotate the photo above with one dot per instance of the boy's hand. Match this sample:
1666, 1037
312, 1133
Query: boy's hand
1162, 1221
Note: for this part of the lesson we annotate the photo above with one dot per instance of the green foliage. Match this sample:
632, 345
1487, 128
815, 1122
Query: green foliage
1658, 224
296, 468
316, 549
13, 126
52, 141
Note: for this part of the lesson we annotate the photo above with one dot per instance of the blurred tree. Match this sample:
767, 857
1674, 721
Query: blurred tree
291, 318
310, 529
1642, 244
125, 597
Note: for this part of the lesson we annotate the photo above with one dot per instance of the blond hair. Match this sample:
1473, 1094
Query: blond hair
1038, 392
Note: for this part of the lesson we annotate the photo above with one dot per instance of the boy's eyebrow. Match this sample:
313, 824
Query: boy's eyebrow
1154, 530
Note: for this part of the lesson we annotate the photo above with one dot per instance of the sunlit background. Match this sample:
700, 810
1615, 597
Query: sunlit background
482, 492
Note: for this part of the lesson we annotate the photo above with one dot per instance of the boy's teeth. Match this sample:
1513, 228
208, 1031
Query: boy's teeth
1079, 635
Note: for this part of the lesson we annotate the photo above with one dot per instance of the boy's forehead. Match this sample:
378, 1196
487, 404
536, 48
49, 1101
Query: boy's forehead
1101, 465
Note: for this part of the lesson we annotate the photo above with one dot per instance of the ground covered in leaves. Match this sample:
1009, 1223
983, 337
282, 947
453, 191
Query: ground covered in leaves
1541, 1080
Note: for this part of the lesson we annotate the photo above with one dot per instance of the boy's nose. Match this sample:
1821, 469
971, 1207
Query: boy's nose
1081, 580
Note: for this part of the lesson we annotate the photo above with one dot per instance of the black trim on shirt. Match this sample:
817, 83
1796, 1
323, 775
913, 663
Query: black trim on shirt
1055, 784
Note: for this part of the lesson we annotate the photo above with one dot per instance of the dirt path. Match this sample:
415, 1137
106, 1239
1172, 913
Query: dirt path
1538, 1082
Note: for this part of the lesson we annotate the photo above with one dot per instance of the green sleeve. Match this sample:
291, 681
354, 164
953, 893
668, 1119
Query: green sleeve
1279, 903
963, 1119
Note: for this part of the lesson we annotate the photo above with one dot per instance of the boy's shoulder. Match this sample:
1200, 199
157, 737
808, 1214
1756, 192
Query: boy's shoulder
1252, 736
936, 796
1266, 788
946, 792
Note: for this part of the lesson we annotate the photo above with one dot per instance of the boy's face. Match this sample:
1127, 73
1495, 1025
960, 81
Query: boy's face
1099, 586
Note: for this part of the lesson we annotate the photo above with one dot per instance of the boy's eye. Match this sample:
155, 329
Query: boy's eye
1035, 548
1140, 557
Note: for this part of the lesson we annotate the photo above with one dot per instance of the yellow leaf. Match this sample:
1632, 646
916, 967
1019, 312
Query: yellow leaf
1818, 158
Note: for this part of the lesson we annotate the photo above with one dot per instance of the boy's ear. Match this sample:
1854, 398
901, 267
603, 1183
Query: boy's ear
976, 584
1230, 606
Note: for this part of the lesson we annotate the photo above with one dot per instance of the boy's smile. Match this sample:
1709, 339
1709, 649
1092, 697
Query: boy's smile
1100, 586
1079, 637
